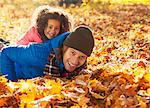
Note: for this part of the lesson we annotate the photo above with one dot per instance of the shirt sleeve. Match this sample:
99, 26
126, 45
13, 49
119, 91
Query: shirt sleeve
31, 55
31, 35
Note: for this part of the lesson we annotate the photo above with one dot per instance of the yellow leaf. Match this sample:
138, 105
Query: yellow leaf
54, 86
26, 86
3, 79
148, 91
83, 100
26, 98
75, 106
147, 76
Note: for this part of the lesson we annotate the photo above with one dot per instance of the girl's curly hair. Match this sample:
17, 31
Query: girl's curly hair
43, 13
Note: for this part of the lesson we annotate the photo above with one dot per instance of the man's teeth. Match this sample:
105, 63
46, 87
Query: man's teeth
71, 64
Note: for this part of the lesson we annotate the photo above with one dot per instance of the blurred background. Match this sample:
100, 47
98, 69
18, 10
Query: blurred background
101, 15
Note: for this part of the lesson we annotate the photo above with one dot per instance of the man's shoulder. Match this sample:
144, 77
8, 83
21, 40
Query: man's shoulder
58, 40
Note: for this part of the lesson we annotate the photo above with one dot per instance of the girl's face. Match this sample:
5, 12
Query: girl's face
73, 59
52, 29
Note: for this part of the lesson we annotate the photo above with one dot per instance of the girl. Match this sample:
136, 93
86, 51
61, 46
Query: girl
48, 22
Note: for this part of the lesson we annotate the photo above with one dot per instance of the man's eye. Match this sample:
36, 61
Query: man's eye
81, 57
73, 53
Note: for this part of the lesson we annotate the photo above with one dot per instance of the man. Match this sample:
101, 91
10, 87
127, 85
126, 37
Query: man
62, 56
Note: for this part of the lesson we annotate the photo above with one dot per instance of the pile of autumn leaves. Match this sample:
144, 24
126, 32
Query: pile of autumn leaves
118, 70
101, 89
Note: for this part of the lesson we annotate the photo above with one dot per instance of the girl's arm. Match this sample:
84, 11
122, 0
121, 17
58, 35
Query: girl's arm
31, 35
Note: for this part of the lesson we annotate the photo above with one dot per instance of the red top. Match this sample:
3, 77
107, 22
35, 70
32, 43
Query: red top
31, 35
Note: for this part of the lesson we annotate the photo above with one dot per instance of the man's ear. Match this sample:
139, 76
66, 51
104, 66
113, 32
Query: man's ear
84, 66
64, 49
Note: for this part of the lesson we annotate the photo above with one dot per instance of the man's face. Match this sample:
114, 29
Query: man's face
73, 59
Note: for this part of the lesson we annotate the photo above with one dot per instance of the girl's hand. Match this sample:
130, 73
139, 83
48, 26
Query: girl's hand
1, 46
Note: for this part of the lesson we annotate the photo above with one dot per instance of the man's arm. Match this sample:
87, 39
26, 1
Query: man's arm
31, 55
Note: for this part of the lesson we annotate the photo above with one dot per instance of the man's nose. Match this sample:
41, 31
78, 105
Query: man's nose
75, 61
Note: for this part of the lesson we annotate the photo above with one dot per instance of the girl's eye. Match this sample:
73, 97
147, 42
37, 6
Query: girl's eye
50, 27
57, 28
